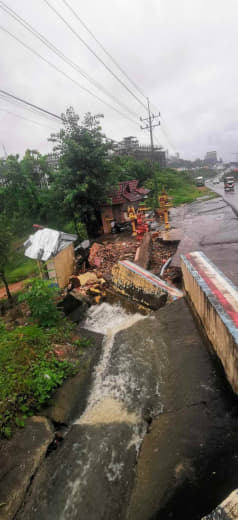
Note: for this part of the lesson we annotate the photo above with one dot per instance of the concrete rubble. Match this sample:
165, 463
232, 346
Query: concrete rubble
143, 286
91, 284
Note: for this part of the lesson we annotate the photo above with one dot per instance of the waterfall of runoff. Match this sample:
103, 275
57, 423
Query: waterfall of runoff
125, 389
109, 399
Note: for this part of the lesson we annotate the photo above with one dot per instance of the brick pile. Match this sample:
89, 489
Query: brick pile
103, 257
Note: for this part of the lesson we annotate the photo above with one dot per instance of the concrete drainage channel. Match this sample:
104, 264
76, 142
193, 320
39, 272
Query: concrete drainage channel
158, 436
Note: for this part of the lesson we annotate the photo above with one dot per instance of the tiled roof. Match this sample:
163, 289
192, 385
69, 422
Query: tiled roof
127, 191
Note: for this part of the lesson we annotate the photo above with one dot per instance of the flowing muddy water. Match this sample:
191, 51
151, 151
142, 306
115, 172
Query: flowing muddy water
114, 423
92, 475
110, 395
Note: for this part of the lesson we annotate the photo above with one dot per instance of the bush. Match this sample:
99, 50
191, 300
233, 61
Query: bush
29, 372
41, 300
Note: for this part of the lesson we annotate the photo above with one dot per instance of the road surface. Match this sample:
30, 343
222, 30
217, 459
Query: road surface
210, 226
231, 197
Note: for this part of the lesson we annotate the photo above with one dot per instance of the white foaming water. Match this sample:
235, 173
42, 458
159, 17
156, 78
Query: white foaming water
106, 402
105, 317
117, 396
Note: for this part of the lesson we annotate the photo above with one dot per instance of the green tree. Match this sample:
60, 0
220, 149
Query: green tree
23, 185
5, 250
126, 168
84, 175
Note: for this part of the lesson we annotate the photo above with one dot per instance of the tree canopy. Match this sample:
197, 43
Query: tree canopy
84, 174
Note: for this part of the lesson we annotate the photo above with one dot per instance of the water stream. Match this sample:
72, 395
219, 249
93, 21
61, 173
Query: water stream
109, 398
92, 475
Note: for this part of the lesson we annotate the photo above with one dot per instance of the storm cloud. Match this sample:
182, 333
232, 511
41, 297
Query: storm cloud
181, 54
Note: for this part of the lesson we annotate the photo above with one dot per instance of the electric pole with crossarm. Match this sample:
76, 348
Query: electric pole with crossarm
151, 122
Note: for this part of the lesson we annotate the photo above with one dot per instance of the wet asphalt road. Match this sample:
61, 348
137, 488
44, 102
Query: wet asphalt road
210, 226
230, 197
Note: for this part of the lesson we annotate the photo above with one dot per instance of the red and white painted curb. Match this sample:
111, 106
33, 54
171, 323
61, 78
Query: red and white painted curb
220, 291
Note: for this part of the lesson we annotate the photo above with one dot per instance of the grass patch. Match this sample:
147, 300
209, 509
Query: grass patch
30, 370
179, 185
34, 358
20, 267
25, 268
188, 193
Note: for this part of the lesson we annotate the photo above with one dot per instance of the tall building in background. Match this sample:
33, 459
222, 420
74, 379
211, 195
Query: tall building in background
211, 158
130, 146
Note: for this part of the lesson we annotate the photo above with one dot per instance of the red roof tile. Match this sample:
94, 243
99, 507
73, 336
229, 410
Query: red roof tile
127, 191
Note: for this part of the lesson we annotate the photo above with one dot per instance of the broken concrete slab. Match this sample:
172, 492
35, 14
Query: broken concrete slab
143, 253
172, 235
88, 278
19, 459
142, 285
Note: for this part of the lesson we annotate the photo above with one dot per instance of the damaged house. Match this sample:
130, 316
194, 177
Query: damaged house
54, 252
126, 194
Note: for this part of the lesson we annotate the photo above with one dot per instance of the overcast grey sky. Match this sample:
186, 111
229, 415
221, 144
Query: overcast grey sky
181, 53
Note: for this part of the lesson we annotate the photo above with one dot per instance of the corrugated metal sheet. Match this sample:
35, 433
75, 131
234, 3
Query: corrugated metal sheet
46, 243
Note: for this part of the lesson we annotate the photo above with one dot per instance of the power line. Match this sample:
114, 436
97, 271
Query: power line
30, 104
111, 57
150, 123
94, 53
165, 126
59, 53
26, 118
29, 109
65, 74
103, 48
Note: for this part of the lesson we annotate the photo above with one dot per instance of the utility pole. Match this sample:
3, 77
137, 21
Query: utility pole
151, 122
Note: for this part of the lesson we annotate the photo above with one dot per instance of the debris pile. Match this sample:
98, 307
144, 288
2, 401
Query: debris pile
104, 256
89, 284
160, 254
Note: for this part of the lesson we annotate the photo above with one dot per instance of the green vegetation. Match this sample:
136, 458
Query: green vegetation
30, 368
40, 298
29, 372
69, 198
19, 268
179, 186
188, 193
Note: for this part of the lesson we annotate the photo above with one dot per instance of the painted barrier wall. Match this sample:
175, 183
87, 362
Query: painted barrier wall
142, 285
215, 299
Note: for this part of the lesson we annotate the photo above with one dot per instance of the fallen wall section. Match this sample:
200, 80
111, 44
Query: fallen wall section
215, 300
143, 253
142, 285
